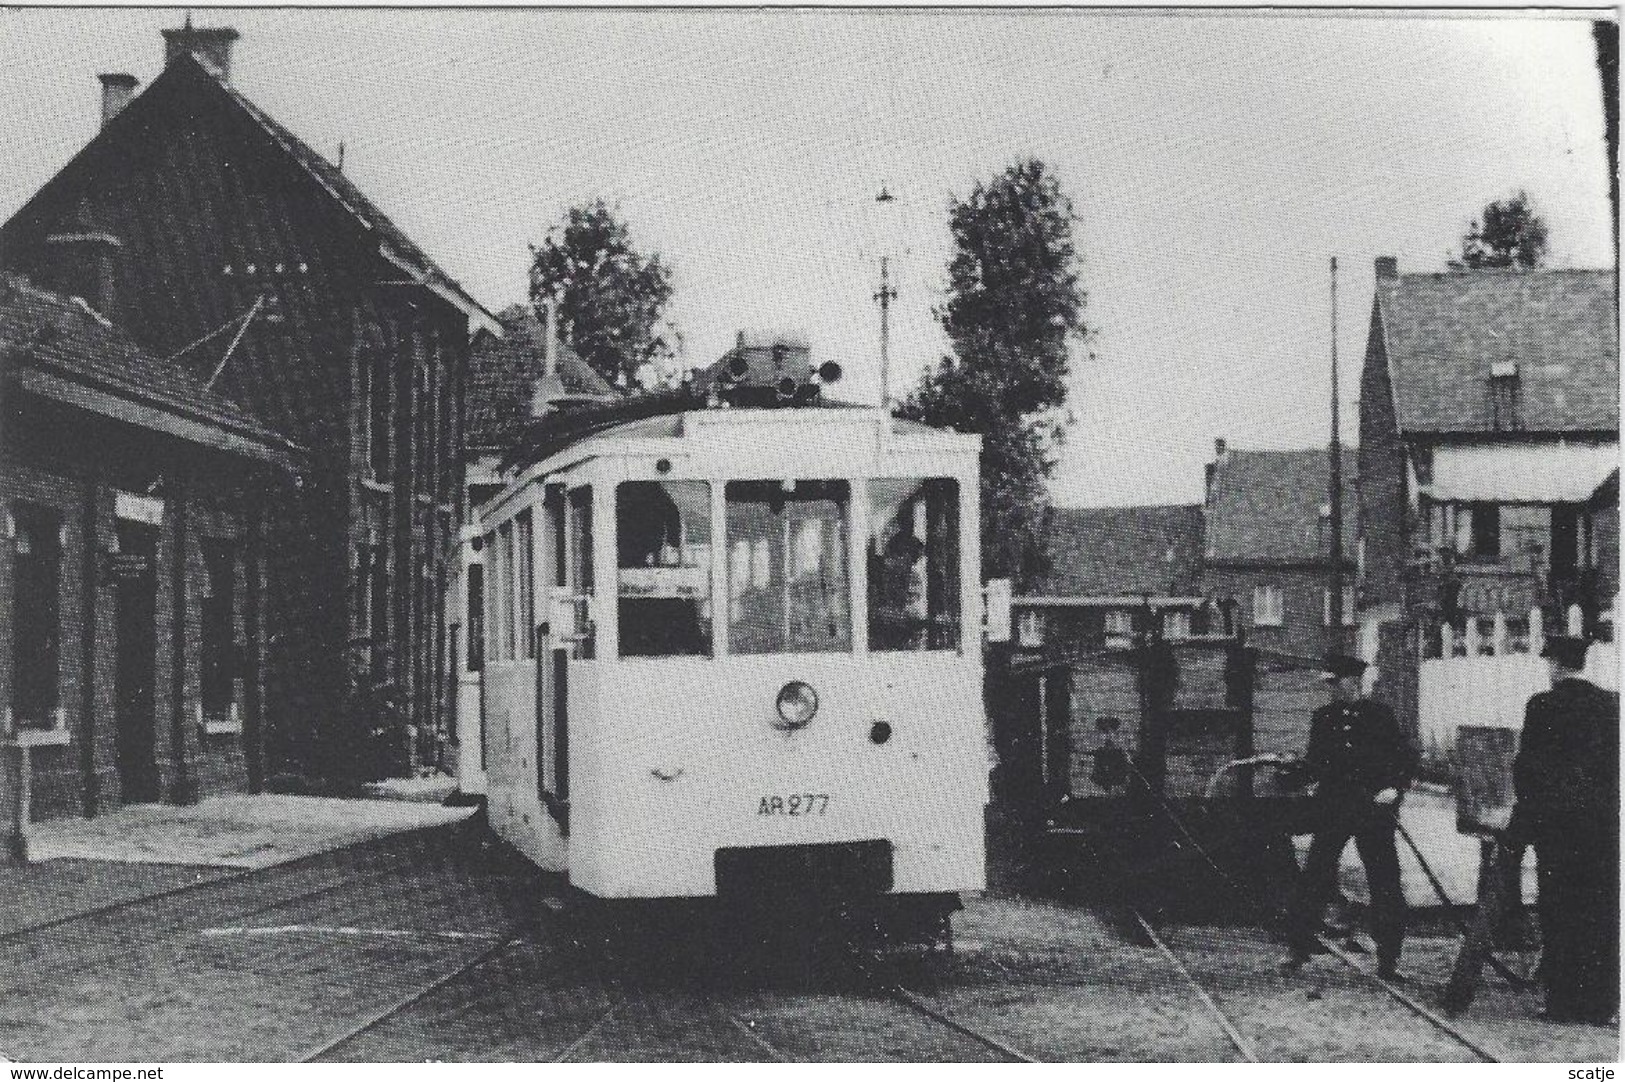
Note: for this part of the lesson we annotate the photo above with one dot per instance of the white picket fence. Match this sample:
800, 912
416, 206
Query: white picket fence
1485, 676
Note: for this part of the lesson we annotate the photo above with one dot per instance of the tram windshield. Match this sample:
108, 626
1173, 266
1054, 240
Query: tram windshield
663, 545
913, 558
787, 573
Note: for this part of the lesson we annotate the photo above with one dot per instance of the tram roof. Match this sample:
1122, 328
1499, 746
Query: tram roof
655, 416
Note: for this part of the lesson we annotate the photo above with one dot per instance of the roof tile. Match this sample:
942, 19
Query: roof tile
1113, 551
1444, 331
1266, 506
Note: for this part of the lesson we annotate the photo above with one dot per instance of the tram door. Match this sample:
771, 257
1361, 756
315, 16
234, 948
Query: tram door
569, 635
135, 576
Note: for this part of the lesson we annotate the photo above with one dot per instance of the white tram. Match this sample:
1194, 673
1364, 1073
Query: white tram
731, 651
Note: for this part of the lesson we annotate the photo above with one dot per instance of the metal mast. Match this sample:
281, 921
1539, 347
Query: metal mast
886, 295
1336, 484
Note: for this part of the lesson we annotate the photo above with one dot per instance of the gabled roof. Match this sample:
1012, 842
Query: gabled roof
1443, 332
60, 348
1265, 506
394, 246
1116, 551
500, 375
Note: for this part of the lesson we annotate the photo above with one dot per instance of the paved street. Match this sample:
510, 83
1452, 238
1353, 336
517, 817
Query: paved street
431, 945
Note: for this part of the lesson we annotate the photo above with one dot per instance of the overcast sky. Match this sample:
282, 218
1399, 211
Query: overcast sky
1216, 162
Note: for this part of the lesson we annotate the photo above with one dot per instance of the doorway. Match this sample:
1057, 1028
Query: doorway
135, 581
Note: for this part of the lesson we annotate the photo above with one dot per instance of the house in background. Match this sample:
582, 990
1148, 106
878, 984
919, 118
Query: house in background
1114, 570
1267, 546
512, 378
133, 533
219, 239
1489, 430
1489, 457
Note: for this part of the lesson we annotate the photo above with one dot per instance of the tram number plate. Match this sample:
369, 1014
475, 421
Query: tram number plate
793, 804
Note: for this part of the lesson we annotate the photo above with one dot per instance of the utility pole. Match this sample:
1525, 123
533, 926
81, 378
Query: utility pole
886, 295
1336, 485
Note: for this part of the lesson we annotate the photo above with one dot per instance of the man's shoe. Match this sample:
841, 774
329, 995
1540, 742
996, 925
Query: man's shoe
1291, 963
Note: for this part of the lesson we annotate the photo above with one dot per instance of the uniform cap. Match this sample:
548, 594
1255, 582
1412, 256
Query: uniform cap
1567, 650
1337, 666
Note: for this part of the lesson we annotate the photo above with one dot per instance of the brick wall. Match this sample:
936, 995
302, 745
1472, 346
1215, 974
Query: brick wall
58, 461
1383, 499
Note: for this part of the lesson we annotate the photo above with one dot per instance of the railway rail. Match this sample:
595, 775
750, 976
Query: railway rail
1410, 1003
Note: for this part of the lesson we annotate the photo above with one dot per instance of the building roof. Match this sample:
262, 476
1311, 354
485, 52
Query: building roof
500, 375
1443, 333
394, 246
1266, 506
60, 348
1114, 551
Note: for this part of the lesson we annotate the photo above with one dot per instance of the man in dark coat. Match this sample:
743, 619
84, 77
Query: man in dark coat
1566, 778
1364, 764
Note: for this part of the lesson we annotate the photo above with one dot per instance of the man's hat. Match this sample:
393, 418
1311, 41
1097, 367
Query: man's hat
1568, 651
1337, 666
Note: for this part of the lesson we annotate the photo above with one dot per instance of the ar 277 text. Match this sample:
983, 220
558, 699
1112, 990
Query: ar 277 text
794, 804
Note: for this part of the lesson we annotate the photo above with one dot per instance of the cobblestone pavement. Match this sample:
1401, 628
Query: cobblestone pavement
437, 946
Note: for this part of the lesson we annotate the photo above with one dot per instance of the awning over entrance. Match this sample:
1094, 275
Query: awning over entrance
1521, 473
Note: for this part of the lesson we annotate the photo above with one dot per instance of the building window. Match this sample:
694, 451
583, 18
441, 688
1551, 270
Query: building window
375, 387
913, 564
1030, 630
1269, 610
1119, 624
1504, 396
219, 660
663, 567
1348, 607
1176, 625
36, 628
788, 590
1478, 531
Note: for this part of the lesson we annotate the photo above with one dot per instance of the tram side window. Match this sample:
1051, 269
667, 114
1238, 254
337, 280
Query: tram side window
524, 542
493, 595
506, 560
787, 567
581, 570
663, 564
913, 558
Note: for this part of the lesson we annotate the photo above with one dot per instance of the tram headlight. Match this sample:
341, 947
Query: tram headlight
797, 703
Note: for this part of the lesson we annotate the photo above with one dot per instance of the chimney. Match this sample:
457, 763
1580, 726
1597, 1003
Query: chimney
210, 44
550, 346
117, 91
1387, 268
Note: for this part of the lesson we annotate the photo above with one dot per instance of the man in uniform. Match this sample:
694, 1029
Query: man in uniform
1566, 779
1363, 763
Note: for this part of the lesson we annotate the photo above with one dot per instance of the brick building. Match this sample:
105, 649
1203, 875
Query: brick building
218, 238
1489, 457
1489, 424
1113, 570
133, 507
1267, 546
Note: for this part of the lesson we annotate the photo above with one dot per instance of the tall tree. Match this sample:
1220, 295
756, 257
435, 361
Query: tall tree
1013, 315
1510, 234
611, 298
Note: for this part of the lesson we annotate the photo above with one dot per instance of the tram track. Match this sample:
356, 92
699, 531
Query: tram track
1245, 1047
897, 992
376, 1019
